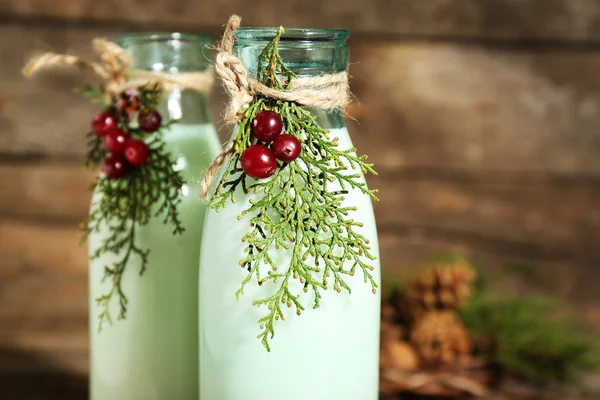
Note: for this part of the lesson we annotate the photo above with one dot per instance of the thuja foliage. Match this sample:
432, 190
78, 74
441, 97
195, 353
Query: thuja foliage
121, 206
300, 209
529, 337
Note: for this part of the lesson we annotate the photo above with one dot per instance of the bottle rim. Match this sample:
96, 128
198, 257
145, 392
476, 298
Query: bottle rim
140, 38
312, 35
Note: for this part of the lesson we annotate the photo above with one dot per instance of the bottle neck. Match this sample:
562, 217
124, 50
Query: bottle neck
307, 52
185, 107
173, 53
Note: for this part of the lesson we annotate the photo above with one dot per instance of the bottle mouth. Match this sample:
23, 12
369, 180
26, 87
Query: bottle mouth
172, 38
292, 35
307, 52
171, 52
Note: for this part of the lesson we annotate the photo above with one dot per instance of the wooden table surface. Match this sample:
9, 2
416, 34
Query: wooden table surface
30, 376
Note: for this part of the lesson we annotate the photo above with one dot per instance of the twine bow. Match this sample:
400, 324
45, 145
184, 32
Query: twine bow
114, 70
324, 91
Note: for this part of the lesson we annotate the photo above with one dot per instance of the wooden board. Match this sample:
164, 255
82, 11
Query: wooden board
45, 193
485, 138
518, 214
41, 263
475, 107
43, 117
557, 20
47, 315
419, 105
29, 248
511, 218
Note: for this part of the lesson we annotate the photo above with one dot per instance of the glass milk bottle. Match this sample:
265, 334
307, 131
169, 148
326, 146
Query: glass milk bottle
328, 353
153, 353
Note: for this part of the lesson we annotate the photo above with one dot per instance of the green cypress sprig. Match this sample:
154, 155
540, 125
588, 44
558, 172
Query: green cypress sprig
121, 206
95, 153
298, 210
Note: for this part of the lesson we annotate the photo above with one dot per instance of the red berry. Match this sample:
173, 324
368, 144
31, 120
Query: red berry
114, 167
258, 161
149, 121
115, 141
104, 123
136, 152
266, 126
286, 148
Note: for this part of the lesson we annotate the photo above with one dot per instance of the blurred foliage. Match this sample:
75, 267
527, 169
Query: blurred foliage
529, 336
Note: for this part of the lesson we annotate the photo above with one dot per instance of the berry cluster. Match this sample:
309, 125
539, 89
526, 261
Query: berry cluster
123, 150
259, 161
138, 184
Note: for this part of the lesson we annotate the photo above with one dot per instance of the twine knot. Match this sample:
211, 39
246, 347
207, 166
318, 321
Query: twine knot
324, 91
114, 70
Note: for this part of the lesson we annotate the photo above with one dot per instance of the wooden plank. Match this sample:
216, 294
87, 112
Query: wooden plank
36, 258
528, 219
57, 306
39, 303
43, 116
43, 318
523, 213
50, 383
421, 105
29, 248
520, 207
45, 192
496, 19
52, 350
424, 105
404, 253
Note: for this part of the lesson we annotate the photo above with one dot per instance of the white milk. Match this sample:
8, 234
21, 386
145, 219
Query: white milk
329, 353
153, 354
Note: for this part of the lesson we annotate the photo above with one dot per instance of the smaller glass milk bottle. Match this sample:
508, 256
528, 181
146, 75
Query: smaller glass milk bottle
330, 352
152, 354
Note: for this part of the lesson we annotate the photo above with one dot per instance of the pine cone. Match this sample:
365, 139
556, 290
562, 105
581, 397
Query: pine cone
398, 354
440, 338
441, 287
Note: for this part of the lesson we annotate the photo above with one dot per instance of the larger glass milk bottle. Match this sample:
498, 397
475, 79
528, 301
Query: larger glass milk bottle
153, 353
328, 353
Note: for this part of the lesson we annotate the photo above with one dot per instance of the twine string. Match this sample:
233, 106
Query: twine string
328, 91
114, 70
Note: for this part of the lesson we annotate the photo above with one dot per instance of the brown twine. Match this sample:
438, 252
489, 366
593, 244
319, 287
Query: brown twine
212, 171
114, 71
325, 91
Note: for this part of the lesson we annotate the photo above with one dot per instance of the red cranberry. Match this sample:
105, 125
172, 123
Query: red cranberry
258, 161
104, 123
266, 126
114, 167
136, 152
286, 148
149, 121
115, 141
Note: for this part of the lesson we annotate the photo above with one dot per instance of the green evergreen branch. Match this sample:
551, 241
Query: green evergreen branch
150, 96
527, 336
96, 153
94, 95
297, 210
124, 204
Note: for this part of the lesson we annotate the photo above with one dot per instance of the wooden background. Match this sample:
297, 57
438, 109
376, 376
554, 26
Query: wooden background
482, 117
